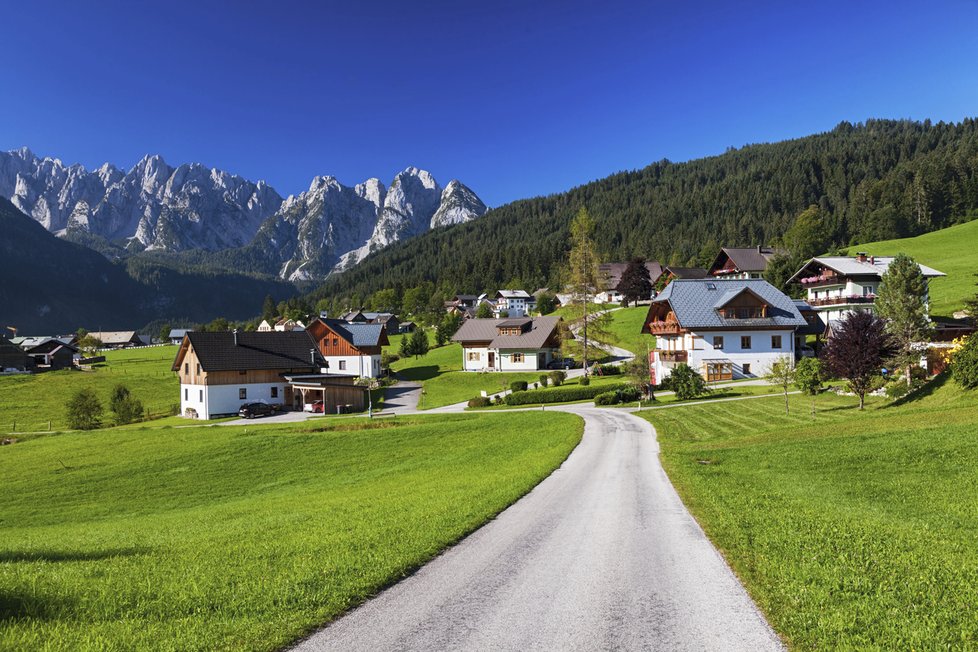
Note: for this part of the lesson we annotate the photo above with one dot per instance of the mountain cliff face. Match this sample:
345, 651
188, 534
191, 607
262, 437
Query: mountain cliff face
159, 208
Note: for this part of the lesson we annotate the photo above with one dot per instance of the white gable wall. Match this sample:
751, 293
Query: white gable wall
699, 348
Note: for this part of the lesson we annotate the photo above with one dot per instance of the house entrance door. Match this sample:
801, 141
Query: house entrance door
492, 359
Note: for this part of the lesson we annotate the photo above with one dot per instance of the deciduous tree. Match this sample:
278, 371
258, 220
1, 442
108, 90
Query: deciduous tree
809, 375
782, 373
583, 270
636, 283
856, 350
84, 410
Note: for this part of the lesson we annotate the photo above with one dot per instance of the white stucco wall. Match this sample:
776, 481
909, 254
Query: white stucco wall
699, 348
365, 366
503, 360
225, 399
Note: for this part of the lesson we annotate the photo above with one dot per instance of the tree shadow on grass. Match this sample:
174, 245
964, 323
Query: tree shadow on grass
67, 555
418, 373
922, 392
19, 606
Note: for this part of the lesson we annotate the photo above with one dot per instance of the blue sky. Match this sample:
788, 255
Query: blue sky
516, 99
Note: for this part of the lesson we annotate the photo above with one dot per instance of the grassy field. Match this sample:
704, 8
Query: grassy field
854, 531
626, 329
30, 401
951, 251
244, 537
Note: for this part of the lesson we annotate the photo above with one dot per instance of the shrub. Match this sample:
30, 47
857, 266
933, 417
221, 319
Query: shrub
479, 402
897, 389
557, 377
559, 394
518, 386
536, 385
607, 398
84, 410
687, 383
126, 407
608, 370
964, 364
624, 394
387, 359
585, 381
544, 379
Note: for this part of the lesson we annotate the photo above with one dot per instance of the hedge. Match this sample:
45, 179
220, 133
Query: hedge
561, 394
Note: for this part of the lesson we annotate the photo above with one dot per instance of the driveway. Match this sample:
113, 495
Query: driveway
402, 397
600, 555
280, 417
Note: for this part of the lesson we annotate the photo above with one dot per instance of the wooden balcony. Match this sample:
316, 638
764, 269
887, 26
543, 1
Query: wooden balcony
842, 301
665, 328
823, 281
673, 356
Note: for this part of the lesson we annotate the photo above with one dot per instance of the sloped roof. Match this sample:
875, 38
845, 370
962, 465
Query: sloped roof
747, 259
815, 325
115, 337
266, 350
612, 272
696, 305
513, 294
357, 334
852, 266
687, 272
487, 330
179, 332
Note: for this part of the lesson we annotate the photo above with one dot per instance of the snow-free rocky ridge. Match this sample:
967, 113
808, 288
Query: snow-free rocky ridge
154, 206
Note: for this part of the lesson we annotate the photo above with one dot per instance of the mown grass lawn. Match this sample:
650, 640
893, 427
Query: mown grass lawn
625, 328
244, 537
458, 386
854, 531
951, 250
30, 401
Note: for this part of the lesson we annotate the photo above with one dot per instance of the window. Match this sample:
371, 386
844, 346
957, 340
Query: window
186, 394
745, 342
717, 341
201, 399
186, 368
336, 341
275, 392
775, 341
242, 393
198, 368
342, 365
473, 356
517, 357
746, 368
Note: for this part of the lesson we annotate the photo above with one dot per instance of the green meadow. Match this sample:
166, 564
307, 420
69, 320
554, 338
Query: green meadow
244, 537
853, 530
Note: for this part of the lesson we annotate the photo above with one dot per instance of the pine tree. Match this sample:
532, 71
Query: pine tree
901, 301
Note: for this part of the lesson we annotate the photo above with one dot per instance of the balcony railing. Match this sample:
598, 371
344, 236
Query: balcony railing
664, 328
842, 301
822, 281
673, 356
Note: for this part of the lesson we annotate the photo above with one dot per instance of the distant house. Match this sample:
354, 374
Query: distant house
221, 371
354, 316
749, 262
176, 334
610, 274
388, 320
722, 328
286, 325
515, 303
12, 357
511, 344
347, 348
117, 339
51, 354
838, 285
671, 273
406, 327
265, 326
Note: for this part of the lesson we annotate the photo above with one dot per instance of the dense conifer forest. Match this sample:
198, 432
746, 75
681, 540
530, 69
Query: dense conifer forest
872, 181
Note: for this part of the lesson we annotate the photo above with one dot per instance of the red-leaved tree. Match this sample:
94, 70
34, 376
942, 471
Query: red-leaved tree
857, 349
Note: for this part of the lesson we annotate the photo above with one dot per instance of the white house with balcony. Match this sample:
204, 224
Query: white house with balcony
515, 303
838, 285
723, 328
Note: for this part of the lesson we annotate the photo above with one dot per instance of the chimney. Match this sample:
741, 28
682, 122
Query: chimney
235, 333
323, 314
861, 256
312, 356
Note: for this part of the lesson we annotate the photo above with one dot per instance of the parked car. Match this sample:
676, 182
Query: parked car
316, 407
566, 363
252, 410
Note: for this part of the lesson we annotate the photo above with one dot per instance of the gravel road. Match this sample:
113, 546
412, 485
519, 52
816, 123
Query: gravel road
602, 555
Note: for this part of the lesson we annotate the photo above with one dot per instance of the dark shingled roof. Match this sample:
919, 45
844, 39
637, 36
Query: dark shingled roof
267, 350
696, 303
686, 272
487, 330
748, 259
357, 334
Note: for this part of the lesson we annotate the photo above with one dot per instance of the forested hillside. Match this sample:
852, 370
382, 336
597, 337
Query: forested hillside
879, 180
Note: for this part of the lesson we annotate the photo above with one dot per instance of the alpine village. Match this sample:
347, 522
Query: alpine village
727, 403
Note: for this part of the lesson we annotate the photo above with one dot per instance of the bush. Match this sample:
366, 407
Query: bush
964, 364
559, 394
126, 407
518, 386
544, 379
387, 359
608, 398
84, 410
897, 389
585, 381
479, 402
624, 394
687, 383
608, 370
557, 377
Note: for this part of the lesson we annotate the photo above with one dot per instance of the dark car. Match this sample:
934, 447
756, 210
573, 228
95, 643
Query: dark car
566, 363
252, 410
